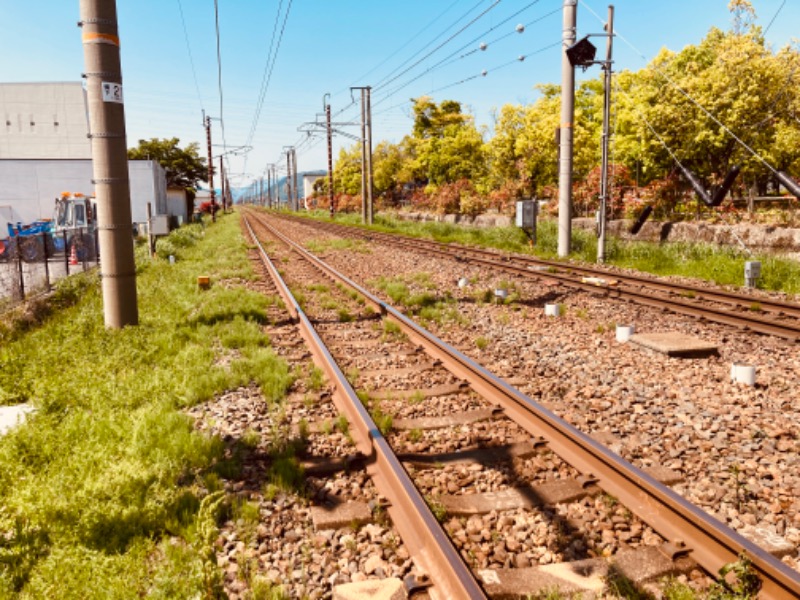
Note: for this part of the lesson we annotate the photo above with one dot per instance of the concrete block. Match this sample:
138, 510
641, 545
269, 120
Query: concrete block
374, 589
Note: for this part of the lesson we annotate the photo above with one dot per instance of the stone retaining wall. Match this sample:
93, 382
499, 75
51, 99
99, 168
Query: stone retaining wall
752, 236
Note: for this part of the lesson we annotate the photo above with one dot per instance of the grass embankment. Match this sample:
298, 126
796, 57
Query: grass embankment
723, 266
107, 491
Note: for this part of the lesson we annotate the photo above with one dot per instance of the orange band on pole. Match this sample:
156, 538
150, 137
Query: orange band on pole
101, 38
566, 125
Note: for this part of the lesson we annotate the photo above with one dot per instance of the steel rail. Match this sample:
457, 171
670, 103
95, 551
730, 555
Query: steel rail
711, 543
732, 298
418, 527
748, 321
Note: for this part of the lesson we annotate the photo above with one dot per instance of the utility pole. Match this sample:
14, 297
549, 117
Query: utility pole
294, 181
211, 171
269, 186
261, 191
330, 157
567, 116
109, 161
222, 184
366, 180
601, 239
289, 179
370, 186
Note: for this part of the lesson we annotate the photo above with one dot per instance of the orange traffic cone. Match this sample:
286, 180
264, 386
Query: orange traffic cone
73, 256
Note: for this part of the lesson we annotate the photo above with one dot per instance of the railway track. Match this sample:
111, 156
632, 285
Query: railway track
743, 311
481, 398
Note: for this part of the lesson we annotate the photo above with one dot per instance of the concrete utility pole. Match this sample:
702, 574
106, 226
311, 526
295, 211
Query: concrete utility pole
269, 186
366, 155
567, 116
294, 181
603, 216
370, 187
109, 161
289, 179
211, 170
222, 184
363, 156
330, 157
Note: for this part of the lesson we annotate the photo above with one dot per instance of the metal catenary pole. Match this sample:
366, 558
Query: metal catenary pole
603, 217
330, 157
109, 160
567, 117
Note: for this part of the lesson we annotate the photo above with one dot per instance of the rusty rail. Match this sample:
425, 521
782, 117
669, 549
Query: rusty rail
563, 273
711, 543
410, 513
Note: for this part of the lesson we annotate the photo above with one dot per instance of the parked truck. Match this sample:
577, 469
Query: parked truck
72, 229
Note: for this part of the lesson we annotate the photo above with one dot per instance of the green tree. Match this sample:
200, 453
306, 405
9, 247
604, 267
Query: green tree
524, 147
388, 171
733, 76
184, 166
347, 172
446, 146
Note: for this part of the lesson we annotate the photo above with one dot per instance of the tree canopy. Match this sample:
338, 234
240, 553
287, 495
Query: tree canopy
184, 166
728, 100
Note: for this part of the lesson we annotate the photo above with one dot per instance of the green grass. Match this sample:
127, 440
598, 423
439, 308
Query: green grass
722, 265
108, 491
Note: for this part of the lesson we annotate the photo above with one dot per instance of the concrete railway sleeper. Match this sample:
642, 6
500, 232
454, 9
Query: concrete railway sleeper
589, 467
746, 311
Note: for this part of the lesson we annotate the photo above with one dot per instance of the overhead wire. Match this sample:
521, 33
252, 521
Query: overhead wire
775, 16
219, 75
191, 57
444, 62
433, 40
444, 43
430, 24
269, 67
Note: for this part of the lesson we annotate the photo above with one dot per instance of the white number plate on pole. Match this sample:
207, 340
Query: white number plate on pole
112, 92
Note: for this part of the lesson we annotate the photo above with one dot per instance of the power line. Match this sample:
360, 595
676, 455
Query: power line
775, 16
219, 75
444, 43
191, 58
423, 48
272, 58
444, 62
430, 24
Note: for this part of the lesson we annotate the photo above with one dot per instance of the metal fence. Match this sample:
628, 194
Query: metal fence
29, 265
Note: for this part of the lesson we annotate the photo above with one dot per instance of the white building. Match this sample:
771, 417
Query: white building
28, 188
45, 150
44, 120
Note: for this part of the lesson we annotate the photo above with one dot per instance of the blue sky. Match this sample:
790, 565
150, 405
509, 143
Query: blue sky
328, 46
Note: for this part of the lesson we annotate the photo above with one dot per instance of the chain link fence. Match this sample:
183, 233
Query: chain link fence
30, 264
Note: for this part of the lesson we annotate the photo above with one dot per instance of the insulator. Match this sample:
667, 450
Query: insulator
637, 225
724, 188
789, 183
